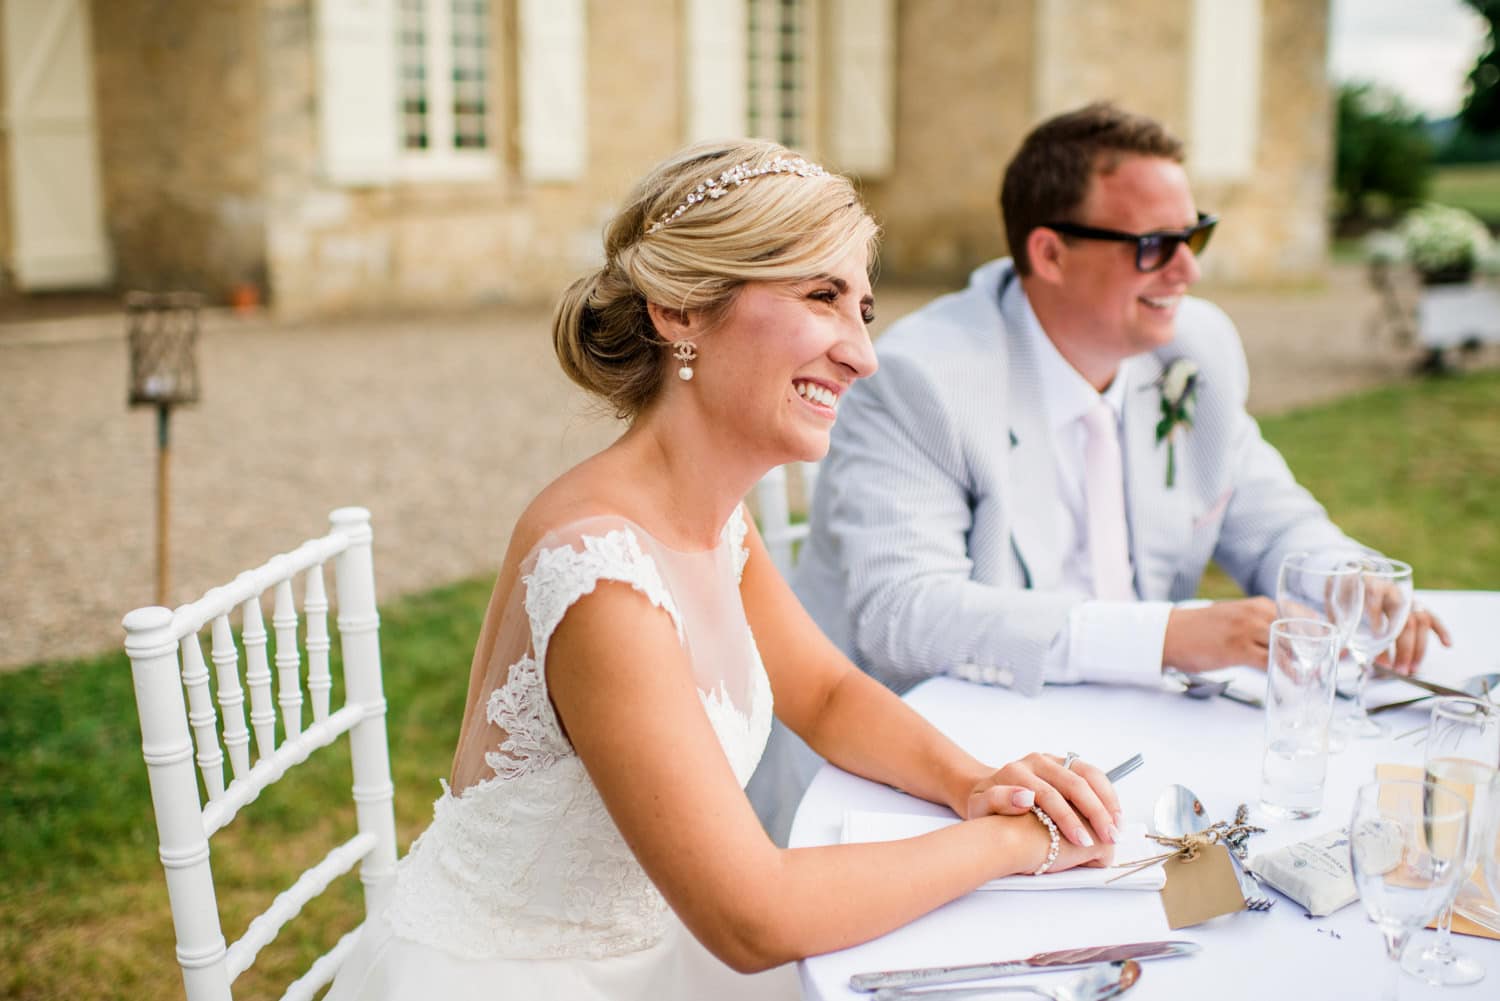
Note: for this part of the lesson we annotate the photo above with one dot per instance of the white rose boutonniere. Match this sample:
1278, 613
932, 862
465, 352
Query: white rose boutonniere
1179, 395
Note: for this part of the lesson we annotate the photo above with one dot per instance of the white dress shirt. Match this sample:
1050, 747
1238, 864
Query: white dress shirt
1118, 642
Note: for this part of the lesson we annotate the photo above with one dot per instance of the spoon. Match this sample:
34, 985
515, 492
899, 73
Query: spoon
1179, 812
1105, 980
1195, 687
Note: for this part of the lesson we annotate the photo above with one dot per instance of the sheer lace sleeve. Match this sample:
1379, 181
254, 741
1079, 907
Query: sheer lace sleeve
519, 729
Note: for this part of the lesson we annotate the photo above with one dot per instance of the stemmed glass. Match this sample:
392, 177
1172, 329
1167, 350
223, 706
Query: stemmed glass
1383, 614
1325, 585
1406, 845
1463, 755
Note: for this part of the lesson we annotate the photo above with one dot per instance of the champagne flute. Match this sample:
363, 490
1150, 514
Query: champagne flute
1383, 614
1406, 845
1325, 585
1463, 754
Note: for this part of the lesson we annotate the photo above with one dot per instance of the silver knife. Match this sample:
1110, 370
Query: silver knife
1063, 959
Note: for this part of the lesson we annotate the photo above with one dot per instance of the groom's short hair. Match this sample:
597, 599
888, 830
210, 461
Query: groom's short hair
1048, 178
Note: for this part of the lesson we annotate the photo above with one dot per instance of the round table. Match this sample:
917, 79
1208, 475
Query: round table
1214, 748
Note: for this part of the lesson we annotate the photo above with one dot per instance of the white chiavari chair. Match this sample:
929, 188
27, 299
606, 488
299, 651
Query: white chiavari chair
176, 735
782, 536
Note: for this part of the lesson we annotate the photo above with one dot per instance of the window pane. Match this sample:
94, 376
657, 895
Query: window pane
776, 78
411, 44
470, 73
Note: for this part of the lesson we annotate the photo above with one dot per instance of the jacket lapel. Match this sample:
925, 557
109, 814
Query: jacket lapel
1031, 479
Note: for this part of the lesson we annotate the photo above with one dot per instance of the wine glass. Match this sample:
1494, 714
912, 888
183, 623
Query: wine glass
1383, 614
1463, 754
1407, 840
1325, 585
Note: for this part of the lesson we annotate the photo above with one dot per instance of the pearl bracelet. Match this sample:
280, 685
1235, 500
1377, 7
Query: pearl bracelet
1052, 833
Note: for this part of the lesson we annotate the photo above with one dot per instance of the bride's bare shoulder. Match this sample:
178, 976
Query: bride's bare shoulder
577, 495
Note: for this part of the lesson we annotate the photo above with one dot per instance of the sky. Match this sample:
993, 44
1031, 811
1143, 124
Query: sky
1420, 49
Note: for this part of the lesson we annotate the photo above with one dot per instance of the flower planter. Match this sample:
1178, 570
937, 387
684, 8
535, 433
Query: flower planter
1451, 315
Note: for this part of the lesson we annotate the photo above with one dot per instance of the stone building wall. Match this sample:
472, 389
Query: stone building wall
413, 244
963, 91
7, 281
1276, 223
975, 76
179, 87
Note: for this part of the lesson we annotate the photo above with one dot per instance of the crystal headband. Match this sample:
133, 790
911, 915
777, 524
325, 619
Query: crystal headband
718, 187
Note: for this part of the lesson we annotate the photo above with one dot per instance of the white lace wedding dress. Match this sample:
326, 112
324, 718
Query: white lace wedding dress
522, 887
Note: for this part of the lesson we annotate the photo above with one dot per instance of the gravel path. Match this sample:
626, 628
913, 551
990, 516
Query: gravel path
444, 426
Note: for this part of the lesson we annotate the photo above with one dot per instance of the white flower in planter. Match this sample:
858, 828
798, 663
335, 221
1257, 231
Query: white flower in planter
1440, 238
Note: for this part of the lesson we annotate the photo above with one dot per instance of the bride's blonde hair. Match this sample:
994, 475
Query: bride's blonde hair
778, 225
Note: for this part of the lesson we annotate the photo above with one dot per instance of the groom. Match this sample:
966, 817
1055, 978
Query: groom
1046, 461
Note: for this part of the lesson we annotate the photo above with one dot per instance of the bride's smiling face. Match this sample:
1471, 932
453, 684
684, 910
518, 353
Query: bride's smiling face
774, 369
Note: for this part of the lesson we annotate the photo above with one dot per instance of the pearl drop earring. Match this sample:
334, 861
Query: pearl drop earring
685, 352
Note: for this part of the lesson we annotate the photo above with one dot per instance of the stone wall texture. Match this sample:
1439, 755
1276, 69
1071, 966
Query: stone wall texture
208, 135
975, 76
179, 109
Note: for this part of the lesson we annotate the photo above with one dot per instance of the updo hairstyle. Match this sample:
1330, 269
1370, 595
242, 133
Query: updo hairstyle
775, 227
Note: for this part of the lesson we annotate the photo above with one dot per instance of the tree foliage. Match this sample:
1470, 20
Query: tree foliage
1382, 149
1481, 110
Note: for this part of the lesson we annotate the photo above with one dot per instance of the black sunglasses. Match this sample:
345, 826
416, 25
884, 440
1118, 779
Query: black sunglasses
1152, 250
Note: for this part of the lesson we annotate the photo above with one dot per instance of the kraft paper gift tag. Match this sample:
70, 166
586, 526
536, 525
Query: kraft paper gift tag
1201, 889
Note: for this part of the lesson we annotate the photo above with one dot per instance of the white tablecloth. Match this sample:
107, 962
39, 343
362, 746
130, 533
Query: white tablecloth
1212, 747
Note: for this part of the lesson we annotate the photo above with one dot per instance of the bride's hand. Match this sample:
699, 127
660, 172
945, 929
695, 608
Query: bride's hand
1033, 843
1076, 798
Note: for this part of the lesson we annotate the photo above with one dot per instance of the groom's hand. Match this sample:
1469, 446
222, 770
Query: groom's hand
1219, 635
1411, 645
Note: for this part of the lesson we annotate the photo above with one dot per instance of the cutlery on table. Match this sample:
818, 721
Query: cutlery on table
1098, 982
1179, 812
1042, 962
1195, 687
1480, 686
1386, 674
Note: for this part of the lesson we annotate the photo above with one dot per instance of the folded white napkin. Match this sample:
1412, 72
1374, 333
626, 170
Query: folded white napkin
865, 826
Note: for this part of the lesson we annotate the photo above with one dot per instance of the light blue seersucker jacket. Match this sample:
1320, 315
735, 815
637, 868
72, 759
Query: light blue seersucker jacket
932, 530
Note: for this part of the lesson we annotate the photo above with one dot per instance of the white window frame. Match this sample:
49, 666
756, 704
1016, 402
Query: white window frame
441, 160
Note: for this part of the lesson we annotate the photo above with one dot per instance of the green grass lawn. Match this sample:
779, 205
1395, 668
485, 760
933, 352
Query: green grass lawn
1413, 470
1475, 187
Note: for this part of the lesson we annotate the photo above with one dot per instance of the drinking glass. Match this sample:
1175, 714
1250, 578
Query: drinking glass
1406, 845
1299, 707
1327, 585
1383, 614
1463, 755
1489, 859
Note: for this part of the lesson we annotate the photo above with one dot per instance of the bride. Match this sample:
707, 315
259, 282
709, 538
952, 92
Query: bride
594, 839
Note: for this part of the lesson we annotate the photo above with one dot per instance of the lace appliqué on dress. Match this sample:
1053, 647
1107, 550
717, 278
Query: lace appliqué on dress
561, 576
736, 530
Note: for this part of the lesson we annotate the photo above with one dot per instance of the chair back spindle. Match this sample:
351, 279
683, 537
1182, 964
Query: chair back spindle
167, 661
781, 534
231, 695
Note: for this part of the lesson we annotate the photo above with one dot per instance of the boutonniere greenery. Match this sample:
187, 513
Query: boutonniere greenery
1179, 396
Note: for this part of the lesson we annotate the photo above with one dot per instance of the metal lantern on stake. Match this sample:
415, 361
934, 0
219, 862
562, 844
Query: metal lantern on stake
163, 330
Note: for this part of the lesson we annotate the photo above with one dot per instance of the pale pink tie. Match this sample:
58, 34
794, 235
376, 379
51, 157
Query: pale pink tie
1104, 494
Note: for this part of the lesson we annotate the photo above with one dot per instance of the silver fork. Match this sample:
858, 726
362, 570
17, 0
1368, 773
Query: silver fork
1251, 888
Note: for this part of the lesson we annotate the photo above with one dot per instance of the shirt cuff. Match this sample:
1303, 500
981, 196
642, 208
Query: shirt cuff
1110, 642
